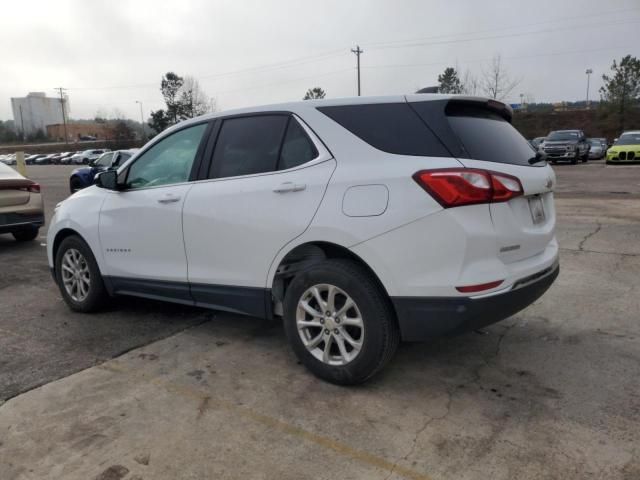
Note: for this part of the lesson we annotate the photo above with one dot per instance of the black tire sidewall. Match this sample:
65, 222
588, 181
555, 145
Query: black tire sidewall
26, 235
370, 302
97, 293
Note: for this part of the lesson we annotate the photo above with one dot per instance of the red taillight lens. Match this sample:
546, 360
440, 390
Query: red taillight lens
480, 287
464, 186
34, 188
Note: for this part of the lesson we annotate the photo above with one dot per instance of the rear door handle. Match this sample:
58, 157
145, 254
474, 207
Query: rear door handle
168, 199
289, 187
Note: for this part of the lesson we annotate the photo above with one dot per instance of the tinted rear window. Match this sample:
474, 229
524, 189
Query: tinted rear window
485, 135
390, 127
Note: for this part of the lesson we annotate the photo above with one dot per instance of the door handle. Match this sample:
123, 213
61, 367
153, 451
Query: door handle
168, 199
289, 187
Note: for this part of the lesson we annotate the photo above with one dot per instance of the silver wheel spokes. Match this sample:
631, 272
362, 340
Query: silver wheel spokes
330, 324
75, 275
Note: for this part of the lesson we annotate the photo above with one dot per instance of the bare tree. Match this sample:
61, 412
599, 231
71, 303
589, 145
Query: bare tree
496, 82
470, 83
193, 101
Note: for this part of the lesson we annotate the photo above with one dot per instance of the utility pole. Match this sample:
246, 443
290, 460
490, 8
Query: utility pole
588, 72
64, 118
522, 101
24, 137
358, 51
144, 132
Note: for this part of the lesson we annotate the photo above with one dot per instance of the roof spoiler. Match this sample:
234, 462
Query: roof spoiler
502, 109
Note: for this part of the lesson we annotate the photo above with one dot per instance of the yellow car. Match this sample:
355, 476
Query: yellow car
626, 149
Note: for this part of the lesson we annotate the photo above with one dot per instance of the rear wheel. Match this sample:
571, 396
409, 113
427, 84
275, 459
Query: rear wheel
339, 322
78, 276
26, 234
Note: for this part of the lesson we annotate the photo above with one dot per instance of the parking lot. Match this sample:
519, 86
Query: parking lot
149, 390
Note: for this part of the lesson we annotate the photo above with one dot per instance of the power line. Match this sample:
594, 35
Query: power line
518, 57
386, 45
494, 30
410, 43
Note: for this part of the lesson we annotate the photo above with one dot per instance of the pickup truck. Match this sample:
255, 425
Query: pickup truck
566, 145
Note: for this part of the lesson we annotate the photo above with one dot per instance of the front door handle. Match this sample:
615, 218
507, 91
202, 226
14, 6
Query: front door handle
168, 199
289, 187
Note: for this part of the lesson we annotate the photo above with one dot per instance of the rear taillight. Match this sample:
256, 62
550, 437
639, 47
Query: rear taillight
465, 186
31, 188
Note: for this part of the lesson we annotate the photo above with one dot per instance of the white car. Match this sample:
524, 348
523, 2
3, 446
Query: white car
360, 221
88, 156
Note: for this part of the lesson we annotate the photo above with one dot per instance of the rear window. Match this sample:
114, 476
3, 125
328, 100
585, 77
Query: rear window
485, 135
390, 127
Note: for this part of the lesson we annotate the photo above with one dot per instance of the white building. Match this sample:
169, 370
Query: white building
35, 111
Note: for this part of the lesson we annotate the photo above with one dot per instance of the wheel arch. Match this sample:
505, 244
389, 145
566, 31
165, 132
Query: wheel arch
308, 253
60, 236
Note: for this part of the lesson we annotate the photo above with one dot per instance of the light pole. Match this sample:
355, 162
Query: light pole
588, 72
144, 133
522, 101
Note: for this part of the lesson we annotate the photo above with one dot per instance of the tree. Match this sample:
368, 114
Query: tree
470, 83
122, 131
314, 93
622, 90
448, 81
192, 101
496, 82
170, 87
159, 120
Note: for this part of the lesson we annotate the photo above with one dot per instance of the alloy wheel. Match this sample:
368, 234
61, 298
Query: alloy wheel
330, 324
75, 275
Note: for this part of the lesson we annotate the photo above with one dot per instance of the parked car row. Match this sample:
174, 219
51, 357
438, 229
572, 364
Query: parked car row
574, 146
81, 157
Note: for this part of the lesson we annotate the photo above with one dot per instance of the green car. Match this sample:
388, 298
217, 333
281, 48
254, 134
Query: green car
626, 149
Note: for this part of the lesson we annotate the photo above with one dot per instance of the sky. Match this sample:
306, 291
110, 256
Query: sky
110, 54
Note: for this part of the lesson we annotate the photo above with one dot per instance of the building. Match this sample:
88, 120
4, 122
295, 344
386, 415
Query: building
35, 111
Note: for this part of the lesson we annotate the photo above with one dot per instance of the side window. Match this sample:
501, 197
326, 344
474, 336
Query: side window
120, 159
104, 160
248, 145
390, 127
297, 148
168, 161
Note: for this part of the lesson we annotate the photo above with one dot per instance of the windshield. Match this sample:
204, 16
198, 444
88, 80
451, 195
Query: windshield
104, 160
595, 142
629, 139
562, 136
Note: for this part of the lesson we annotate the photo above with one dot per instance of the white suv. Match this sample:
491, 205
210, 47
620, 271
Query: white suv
360, 221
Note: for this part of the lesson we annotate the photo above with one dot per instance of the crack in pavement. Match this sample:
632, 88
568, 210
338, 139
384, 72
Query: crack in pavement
420, 431
602, 253
588, 236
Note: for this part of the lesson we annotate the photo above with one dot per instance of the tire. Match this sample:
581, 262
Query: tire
26, 235
75, 184
95, 293
574, 160
378, 336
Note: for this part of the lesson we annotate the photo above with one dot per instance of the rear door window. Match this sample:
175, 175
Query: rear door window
297, 147
390, 127
248, 145
484, 134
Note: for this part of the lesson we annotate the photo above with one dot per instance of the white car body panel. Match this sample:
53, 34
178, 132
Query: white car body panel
236, 231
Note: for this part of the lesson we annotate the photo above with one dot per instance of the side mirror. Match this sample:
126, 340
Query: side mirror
107, 179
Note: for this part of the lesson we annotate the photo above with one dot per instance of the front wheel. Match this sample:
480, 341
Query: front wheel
78, 276
339, 322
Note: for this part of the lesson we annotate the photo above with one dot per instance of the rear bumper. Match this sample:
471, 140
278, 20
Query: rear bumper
10, 222
422, 318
